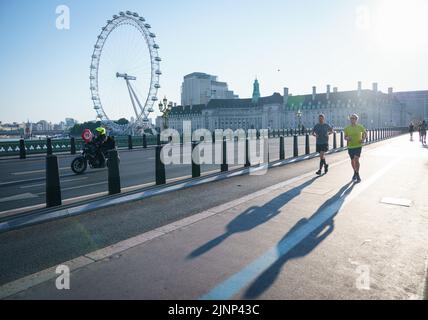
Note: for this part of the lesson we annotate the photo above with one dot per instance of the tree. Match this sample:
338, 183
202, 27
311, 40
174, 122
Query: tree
78, 129
122, 121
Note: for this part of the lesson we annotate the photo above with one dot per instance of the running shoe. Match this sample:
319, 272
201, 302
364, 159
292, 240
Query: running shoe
358, 178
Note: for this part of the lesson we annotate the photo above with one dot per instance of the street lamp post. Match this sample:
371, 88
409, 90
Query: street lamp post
299, 115
165, 108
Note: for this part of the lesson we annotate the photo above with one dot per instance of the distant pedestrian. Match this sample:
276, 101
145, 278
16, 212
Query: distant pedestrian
321, 131
411, 130
355, 134
423, 132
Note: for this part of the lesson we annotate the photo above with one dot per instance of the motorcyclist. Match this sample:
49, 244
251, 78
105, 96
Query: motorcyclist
99, 141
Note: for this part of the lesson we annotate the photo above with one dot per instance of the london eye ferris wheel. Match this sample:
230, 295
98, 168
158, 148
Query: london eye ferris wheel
124, 73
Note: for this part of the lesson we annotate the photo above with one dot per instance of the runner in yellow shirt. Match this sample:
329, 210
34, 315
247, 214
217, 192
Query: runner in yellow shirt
355, 134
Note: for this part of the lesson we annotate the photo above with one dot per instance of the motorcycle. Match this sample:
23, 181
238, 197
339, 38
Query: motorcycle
91, 156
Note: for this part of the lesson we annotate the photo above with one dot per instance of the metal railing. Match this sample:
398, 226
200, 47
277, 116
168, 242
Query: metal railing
53, 189
73, 145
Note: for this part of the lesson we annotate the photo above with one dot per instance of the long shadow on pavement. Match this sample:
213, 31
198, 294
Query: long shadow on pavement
268, 277
253, 217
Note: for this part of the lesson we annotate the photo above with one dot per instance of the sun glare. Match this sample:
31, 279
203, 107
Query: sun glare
401, 25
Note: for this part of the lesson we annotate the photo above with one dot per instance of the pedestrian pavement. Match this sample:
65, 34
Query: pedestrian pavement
306, 237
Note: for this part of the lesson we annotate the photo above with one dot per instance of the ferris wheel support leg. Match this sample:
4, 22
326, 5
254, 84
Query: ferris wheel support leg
132, 98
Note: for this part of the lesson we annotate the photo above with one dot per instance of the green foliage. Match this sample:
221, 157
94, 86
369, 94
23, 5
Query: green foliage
78, 129
122, 121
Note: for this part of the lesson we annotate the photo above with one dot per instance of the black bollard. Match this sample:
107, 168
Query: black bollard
22, 151
49, 146
144, 141
160, 167
334, 140
342, 142
247, 153
158, 139
130, 142
307, 147
224, 165
281, 148
72, 145
295, 146
196, 168
113, 173
53, 187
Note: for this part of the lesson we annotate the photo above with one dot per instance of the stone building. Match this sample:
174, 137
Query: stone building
376, 109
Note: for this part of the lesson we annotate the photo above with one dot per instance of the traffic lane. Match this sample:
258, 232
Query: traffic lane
35, 168
35, 248
135, 172
82, 186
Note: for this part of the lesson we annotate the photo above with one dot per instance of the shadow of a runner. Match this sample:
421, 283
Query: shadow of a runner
253, 217
268, 277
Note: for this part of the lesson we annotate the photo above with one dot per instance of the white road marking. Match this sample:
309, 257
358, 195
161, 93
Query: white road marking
17, 197
40, 277
397, 202
43, 184
27, 282
82, 186
227, 289
35, 171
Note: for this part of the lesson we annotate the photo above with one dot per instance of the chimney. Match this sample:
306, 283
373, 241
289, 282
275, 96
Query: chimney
328, 91
360, 87
314, 92
335, 89
285, 96
375, 87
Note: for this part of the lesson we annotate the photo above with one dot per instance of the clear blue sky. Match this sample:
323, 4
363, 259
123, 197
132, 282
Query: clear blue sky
45, 71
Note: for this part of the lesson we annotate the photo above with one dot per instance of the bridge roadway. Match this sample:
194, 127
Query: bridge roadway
283, 235
22, 182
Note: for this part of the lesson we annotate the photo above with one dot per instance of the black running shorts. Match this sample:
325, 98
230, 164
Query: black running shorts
322, 148
355, 152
